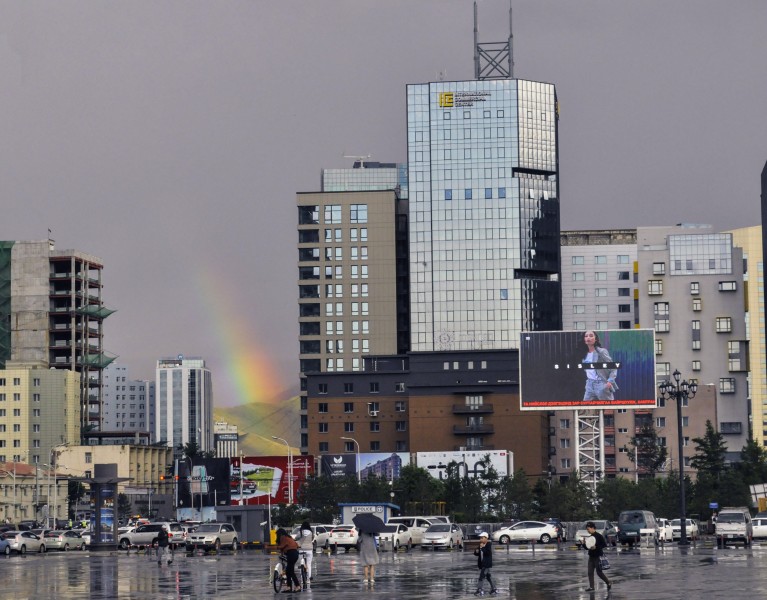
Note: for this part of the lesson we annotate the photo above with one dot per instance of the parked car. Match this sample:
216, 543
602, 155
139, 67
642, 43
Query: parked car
606, 528
526, 531
213, 536
632, 522
344, 536
395, 536
63, 540
24, 541
417, 526
759, 525
734, 525
561, 529
665, 532
5, 545
443, 535
146, 535
690, 525
321, 534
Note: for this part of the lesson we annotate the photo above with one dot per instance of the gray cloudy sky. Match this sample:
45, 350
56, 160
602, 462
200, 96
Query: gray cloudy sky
169, 138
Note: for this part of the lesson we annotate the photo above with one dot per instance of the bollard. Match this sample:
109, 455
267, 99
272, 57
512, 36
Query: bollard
533, 545
334, 549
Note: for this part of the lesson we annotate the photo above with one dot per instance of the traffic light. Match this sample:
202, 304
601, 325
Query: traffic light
162, 477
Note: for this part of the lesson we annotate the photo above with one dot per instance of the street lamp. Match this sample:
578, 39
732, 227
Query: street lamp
679, 391
290, 468
356, 443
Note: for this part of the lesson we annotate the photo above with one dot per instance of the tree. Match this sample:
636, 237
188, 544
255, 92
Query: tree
753, 463
710, 451
190, 450
644, 450
124, 506
516, 497
417, 491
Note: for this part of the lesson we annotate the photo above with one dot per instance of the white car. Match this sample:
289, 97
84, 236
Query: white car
665, 531
344, 536
690, 525
443, 535
395, 536
63, 540
760, 527
213, 536
526, 531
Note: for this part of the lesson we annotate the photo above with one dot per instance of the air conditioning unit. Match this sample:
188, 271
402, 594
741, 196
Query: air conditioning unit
373, 413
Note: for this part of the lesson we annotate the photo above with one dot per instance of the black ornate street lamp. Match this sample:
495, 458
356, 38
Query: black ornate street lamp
679, 391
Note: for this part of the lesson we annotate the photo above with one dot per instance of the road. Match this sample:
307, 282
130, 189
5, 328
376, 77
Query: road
521, 573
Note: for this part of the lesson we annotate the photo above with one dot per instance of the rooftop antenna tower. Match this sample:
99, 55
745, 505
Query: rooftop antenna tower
494, 60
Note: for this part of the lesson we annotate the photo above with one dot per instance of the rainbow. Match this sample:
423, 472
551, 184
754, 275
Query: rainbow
250, 374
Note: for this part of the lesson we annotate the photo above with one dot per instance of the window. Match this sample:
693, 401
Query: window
579, 309
623, 276
322, 388
348, 388
662, 369
17, 397
348, 407
658, 346
697, 304
623, 259
601, 292
399, 387
694, 288
322, 407
373, 387
400, 425
16, 412
565, 463
323, 446
467, 194
624, 308
624, 291
322, 427
333, 213
375, 446
348, 446
662, 325
375, 426
349, 427
726, 385
737, 356
600, 260
579, 293
659, 268
564, 423
358, 213
17, 381
564, 442
88, 458
36, 382
579, 277
399, 406
696, 365
728, 286
577, 260
723, 324
660, 421
600, 276
655, 287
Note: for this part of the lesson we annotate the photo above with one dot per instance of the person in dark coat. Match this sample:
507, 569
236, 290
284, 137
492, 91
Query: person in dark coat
595, 543
289, 548
484, 556
162, 546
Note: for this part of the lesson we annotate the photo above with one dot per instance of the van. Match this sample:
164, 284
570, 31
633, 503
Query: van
632, 522
733, 524
416, 525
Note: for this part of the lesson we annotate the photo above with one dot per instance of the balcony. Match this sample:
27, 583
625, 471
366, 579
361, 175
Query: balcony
473, 429
473, 448
473, 409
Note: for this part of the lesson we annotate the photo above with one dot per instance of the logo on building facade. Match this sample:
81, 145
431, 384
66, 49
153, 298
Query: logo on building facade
455, 99
446, 99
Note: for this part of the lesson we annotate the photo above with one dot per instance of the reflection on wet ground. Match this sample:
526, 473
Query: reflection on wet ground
648, 573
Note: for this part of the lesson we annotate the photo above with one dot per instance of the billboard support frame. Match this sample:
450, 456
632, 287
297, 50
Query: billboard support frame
590, 458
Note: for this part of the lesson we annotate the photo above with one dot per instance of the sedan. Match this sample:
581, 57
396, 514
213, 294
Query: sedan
344, 536
321, 534
24, 541
606, 528
63, 540
394, 536
760, 527
443, 535
690, 525
213, 536
526, 531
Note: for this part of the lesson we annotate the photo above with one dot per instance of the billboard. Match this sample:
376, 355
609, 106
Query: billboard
572, 370
265, 478
203, 482
470, 462
381, 464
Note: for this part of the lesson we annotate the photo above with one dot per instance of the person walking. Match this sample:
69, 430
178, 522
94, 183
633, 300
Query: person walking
368, 556
306, 547
162, 546
289, 547
484, 556
595, 544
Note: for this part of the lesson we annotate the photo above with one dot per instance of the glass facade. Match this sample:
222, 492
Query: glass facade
701, 254
484, 213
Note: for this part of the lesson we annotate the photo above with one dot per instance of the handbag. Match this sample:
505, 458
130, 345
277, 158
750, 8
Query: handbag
604, 564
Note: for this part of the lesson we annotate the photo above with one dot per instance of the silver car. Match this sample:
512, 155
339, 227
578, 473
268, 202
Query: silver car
213, 536
24, 541
526, 531
443, 535
63, 540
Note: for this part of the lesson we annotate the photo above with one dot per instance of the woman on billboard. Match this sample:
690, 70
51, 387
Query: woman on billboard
600, 382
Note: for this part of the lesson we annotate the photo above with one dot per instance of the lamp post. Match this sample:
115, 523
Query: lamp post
679, 391
290, 468
356, 443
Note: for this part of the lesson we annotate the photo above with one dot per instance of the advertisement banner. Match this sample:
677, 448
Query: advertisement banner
469, 463
265, 478
203, 482
386, 465
572, 370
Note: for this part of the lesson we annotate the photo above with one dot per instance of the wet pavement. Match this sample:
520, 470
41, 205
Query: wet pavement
669, 572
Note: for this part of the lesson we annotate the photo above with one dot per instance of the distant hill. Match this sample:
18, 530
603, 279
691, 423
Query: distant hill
257, 422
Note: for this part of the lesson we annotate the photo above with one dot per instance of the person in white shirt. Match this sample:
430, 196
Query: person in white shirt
306, 546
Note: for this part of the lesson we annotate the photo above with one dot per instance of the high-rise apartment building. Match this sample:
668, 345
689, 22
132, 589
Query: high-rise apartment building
484, 213
183, 403
52, 312
352, 270
126, 401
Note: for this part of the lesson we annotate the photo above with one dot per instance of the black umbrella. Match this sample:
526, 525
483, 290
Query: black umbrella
368, 523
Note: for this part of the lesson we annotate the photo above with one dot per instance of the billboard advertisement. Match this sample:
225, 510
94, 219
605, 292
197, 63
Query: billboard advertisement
572, 370
381, 464
265, 478
203, 482
469, 462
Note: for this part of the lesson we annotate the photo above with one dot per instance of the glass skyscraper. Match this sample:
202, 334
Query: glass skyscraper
484, 213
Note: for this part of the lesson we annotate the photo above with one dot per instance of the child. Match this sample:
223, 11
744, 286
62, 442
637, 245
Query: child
484, 556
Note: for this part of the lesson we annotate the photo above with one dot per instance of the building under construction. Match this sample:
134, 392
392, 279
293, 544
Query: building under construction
52, 314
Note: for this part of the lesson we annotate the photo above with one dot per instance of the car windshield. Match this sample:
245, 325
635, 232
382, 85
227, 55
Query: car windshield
207, 528
390, 529
632, 517
731, 518
440, 528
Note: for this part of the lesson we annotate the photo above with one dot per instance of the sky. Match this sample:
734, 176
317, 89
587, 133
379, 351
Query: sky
169, 138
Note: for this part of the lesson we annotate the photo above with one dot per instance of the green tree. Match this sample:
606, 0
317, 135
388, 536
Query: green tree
190, 450
124, 506
710, 451
516, 498
753, 463
644, 450
613, 496
416, 490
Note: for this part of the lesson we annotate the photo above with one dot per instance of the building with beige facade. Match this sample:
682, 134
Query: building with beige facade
30, 492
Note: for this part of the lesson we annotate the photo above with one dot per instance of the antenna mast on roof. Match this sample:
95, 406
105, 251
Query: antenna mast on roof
489, 58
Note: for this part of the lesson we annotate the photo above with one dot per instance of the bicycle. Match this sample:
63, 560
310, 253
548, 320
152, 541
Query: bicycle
280, 577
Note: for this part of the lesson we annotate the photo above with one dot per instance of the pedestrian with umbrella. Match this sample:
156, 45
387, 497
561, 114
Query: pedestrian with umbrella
368, 525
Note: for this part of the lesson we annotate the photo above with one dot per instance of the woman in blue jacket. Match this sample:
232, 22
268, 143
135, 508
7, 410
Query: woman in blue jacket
600, 382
